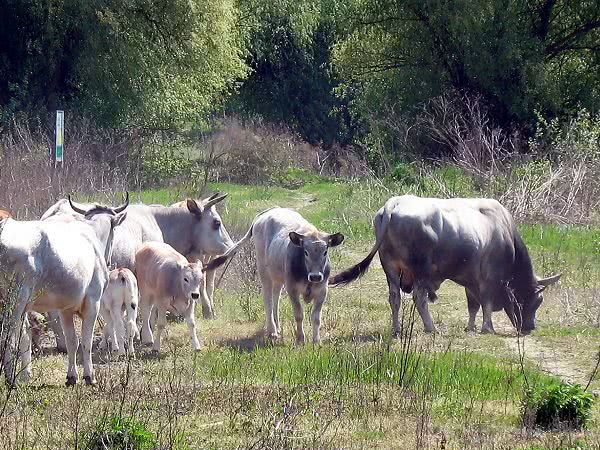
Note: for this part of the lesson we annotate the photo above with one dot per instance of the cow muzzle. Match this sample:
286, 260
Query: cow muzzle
195, 296
315, 277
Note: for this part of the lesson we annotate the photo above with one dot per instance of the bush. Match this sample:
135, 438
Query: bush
560, 406
405, 174
163, 163
122, 434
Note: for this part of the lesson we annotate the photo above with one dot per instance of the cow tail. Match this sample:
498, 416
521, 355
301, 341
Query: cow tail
358, 270
219, 261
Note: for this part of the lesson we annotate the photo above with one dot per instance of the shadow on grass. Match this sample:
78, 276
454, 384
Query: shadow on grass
249, 343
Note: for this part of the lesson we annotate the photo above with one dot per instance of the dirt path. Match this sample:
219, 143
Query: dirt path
551, 360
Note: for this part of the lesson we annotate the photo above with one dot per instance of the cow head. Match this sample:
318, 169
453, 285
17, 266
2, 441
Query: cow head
314, 247
210, 236
529, 308
104, 220
191, 281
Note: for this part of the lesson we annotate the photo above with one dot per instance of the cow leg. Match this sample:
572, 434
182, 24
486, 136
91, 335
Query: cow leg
315, 316
298, 316
421, 299
275, 297
191, 324
161, 324
487, 327
207, 309
118, 329
145, 313
107, 331
393, 281
54, 324
66, 318
210, 290
25, 350
87, 337
473, 306
267, 286
15, 331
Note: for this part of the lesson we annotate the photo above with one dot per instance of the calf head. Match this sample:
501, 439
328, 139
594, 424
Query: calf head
526, 321
209, 234
191, 283
315, 257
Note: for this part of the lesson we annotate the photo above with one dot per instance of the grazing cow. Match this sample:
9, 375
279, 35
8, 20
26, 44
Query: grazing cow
292, 252
167, 281
196, 230
120, 297
473, 242
62, 266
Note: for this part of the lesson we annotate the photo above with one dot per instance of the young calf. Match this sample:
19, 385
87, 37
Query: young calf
121, 296
291, 252
167, 281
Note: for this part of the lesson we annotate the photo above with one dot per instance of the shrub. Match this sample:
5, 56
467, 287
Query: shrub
122, 434
558, 407
405, 174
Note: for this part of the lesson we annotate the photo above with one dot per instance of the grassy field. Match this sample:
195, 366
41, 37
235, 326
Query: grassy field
360, 389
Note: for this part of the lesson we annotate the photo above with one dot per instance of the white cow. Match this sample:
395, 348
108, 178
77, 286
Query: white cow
292, 252
121, 297
167, 281
62, 266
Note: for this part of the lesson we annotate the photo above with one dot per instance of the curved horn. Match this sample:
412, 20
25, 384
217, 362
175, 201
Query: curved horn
549, 280
212, 197
215, 200
121, 208
76, 208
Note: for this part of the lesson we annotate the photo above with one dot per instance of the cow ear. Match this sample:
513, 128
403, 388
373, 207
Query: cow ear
296, 238
194, 207
335, 239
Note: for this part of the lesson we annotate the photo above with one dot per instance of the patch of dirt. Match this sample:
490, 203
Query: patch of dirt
551, 360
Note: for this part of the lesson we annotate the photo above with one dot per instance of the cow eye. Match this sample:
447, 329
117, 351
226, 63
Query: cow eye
325, 254
217, 224
186, 280
305, 252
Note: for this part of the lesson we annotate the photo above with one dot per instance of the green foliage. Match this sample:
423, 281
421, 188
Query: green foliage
559, 406
405, 174
163, 163
578, 138
157, 64
122, 434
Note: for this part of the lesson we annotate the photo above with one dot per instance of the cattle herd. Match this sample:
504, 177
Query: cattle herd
89, 259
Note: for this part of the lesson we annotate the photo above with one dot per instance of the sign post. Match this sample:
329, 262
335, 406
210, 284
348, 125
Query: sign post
60, 135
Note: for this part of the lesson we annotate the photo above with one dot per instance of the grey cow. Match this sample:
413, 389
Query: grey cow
62, 266
473, 242
292, 252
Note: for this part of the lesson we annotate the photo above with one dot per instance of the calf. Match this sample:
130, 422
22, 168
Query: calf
120, 297
167, 281
290, 252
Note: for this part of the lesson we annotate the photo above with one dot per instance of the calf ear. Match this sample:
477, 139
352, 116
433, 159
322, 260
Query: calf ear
194, 207
296, 238
335, 239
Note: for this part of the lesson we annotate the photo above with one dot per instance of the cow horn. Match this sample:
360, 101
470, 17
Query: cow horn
215, 195
76, 208
121, 208
214, 201
549, 280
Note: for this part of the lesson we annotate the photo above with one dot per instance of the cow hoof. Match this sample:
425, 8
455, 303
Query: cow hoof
89, 381
470, 329
71, 381
487, 330
430, 330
